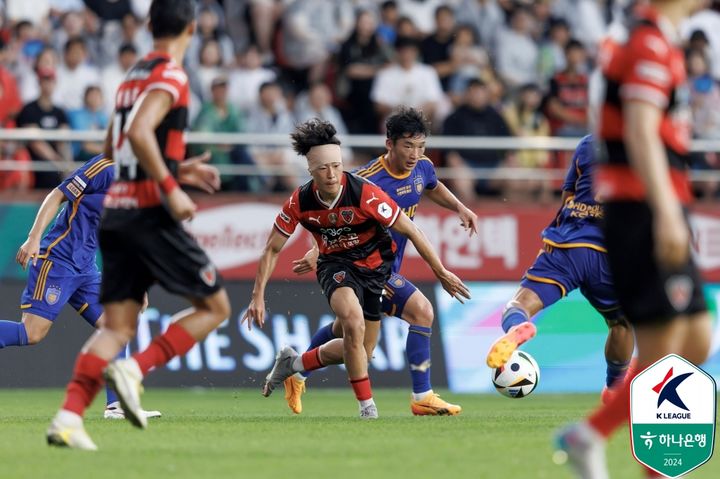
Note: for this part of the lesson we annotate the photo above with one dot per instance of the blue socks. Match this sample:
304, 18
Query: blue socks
110, 395
12, 333
512, 317
616, 372
322, 336
417, 349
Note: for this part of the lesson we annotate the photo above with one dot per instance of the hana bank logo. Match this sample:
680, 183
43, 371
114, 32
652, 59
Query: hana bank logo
667, 391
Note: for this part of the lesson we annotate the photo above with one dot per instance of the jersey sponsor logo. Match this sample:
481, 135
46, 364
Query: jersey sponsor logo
372, 198
419, 183
336, 231
339, 277
333, 217
72, 188
679, 289
208, 274
284, 217
52, 295
316, 219
347, 216
384, 210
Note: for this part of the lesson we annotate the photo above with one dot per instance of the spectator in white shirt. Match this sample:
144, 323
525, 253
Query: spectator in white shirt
74, 75
245, 80
112, 75
517, 52
407, 82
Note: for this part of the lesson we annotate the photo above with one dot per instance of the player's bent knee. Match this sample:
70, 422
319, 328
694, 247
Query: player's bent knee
420, 312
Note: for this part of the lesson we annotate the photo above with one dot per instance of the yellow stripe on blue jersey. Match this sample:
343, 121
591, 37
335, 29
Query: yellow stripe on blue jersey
76, 205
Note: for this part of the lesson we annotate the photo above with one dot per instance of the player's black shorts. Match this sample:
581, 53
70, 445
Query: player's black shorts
646, 292
368, 284
143, 247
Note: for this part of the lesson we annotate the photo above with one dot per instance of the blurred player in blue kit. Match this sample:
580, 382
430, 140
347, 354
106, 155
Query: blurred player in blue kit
573, 256
405, 174
62, 263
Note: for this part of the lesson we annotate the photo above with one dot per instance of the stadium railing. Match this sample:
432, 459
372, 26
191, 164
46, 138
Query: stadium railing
352, 141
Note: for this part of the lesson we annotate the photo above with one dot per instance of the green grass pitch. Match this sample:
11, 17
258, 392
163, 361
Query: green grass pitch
223, 434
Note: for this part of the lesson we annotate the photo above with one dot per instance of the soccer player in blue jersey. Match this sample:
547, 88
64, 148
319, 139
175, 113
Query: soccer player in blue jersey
62, 263
573, 256
405, 174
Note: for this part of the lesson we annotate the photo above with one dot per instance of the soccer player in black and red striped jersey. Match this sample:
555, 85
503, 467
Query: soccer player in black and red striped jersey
645, 137
141, 238
349, 218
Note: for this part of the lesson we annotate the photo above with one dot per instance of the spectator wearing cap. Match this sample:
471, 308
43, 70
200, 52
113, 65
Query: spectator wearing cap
568, 100
475, 118
91, 116
218, 115
43, 113
407, 82
112, 75
74, 75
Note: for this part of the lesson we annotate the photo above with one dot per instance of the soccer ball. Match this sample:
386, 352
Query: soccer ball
519, 377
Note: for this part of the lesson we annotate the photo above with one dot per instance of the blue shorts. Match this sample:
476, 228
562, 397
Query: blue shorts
557, 271
51, 285
396, 294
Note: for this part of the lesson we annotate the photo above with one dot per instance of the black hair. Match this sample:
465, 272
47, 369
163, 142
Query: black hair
127, 48
475, 82
573, 44
388, 4
444, 8
169, 18
403, 42
268, 84
406, 122
314, 132
72, 41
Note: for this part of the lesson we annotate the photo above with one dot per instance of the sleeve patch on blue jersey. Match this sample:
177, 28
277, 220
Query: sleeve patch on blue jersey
74, 188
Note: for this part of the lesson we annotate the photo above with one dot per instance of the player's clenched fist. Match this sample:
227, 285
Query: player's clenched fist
27, 251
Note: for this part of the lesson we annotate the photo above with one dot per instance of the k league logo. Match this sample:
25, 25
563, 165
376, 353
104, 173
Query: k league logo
672, 416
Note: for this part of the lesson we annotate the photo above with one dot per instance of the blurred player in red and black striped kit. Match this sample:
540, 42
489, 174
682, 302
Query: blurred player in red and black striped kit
141, 238
644, 139
348, 217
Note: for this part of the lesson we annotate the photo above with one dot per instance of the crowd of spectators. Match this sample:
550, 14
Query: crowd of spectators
476, 68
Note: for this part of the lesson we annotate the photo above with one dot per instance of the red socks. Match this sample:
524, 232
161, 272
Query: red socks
311, 360
362, 388
176, 341
85, 383
616, 412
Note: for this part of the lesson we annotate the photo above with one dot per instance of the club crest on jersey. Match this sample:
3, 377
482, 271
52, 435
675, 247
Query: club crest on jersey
679, 290
52, 295
419, 184
339, 277
208, 275
333, 217
347, 216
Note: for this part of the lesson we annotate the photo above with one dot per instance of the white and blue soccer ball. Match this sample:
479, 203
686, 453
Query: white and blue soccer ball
519, 377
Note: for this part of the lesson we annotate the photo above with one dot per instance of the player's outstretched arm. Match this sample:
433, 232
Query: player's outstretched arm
648, 158
48, 209
256, 310
146, 116
442, 196
450, 283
